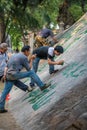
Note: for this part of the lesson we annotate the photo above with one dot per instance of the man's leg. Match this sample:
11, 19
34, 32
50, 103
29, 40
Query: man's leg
51, 67
7, 88
30, 74
22, 86
35, 68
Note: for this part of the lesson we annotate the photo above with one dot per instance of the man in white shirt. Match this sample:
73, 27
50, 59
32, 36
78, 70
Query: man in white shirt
46, 52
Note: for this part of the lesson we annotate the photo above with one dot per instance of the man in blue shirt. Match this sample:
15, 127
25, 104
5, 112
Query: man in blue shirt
15, 64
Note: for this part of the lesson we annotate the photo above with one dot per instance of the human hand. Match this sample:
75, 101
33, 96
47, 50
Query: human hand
3, 78
33, 56
61, 62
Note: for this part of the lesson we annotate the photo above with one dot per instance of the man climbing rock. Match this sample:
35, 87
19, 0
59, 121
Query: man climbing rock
13, 74
47, 53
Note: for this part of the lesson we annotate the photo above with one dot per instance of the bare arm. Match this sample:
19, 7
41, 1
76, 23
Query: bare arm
31, 59
55, 62
5, 71
4, 76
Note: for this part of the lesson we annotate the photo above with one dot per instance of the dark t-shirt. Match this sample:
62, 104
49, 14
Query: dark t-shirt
44, 52
46, 33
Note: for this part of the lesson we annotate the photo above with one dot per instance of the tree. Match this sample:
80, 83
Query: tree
14, 16
19, 16
70, 11
64, 15
83, 5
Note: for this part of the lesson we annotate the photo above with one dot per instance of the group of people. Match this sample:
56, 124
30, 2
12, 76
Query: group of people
13, 66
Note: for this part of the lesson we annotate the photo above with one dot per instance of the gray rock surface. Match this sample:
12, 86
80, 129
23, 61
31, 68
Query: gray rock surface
63, 106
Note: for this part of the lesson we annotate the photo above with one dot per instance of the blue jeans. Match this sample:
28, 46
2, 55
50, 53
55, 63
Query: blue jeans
20, 85
9, 84
35, 68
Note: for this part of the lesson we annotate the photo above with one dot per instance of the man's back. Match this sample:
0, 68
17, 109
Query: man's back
17, 62
46, 33
41, 52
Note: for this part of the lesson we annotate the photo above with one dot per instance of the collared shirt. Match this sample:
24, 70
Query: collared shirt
17, 62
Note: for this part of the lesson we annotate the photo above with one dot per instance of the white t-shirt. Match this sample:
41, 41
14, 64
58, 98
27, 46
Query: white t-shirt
50, 51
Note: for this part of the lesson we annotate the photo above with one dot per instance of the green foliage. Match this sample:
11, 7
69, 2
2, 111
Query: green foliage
22, 15
76, 11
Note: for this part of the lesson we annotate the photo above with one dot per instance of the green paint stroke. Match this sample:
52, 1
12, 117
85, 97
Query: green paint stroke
85, 32
44, 98
42, 102
32, 94
77, 38
36, 106
38, 98
73, 73
66, 72
38, 95
75, 70
35, 98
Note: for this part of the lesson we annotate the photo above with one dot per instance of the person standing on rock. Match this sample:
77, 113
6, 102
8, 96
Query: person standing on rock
15, 64
47, 53
44, 34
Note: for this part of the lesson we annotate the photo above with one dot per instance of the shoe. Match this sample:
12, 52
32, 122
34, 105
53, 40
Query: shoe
54, 71
29, 89
45, 86
3, 111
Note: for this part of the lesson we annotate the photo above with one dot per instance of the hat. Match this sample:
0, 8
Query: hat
3, 45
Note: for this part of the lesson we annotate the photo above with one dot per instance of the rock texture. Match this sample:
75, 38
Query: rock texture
70, 113
63, 106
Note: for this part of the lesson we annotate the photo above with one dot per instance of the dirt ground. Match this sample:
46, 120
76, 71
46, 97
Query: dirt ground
7, 122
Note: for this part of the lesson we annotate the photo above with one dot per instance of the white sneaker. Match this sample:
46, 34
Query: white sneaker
30, 89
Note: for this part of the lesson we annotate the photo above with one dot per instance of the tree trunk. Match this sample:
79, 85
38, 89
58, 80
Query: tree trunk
2, 32
64, 15
83, 5
2, 28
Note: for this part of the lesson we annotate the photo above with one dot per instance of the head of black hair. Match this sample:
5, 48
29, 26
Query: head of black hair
59, 49
25, 48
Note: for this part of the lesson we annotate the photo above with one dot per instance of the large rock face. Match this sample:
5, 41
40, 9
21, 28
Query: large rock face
63, 106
